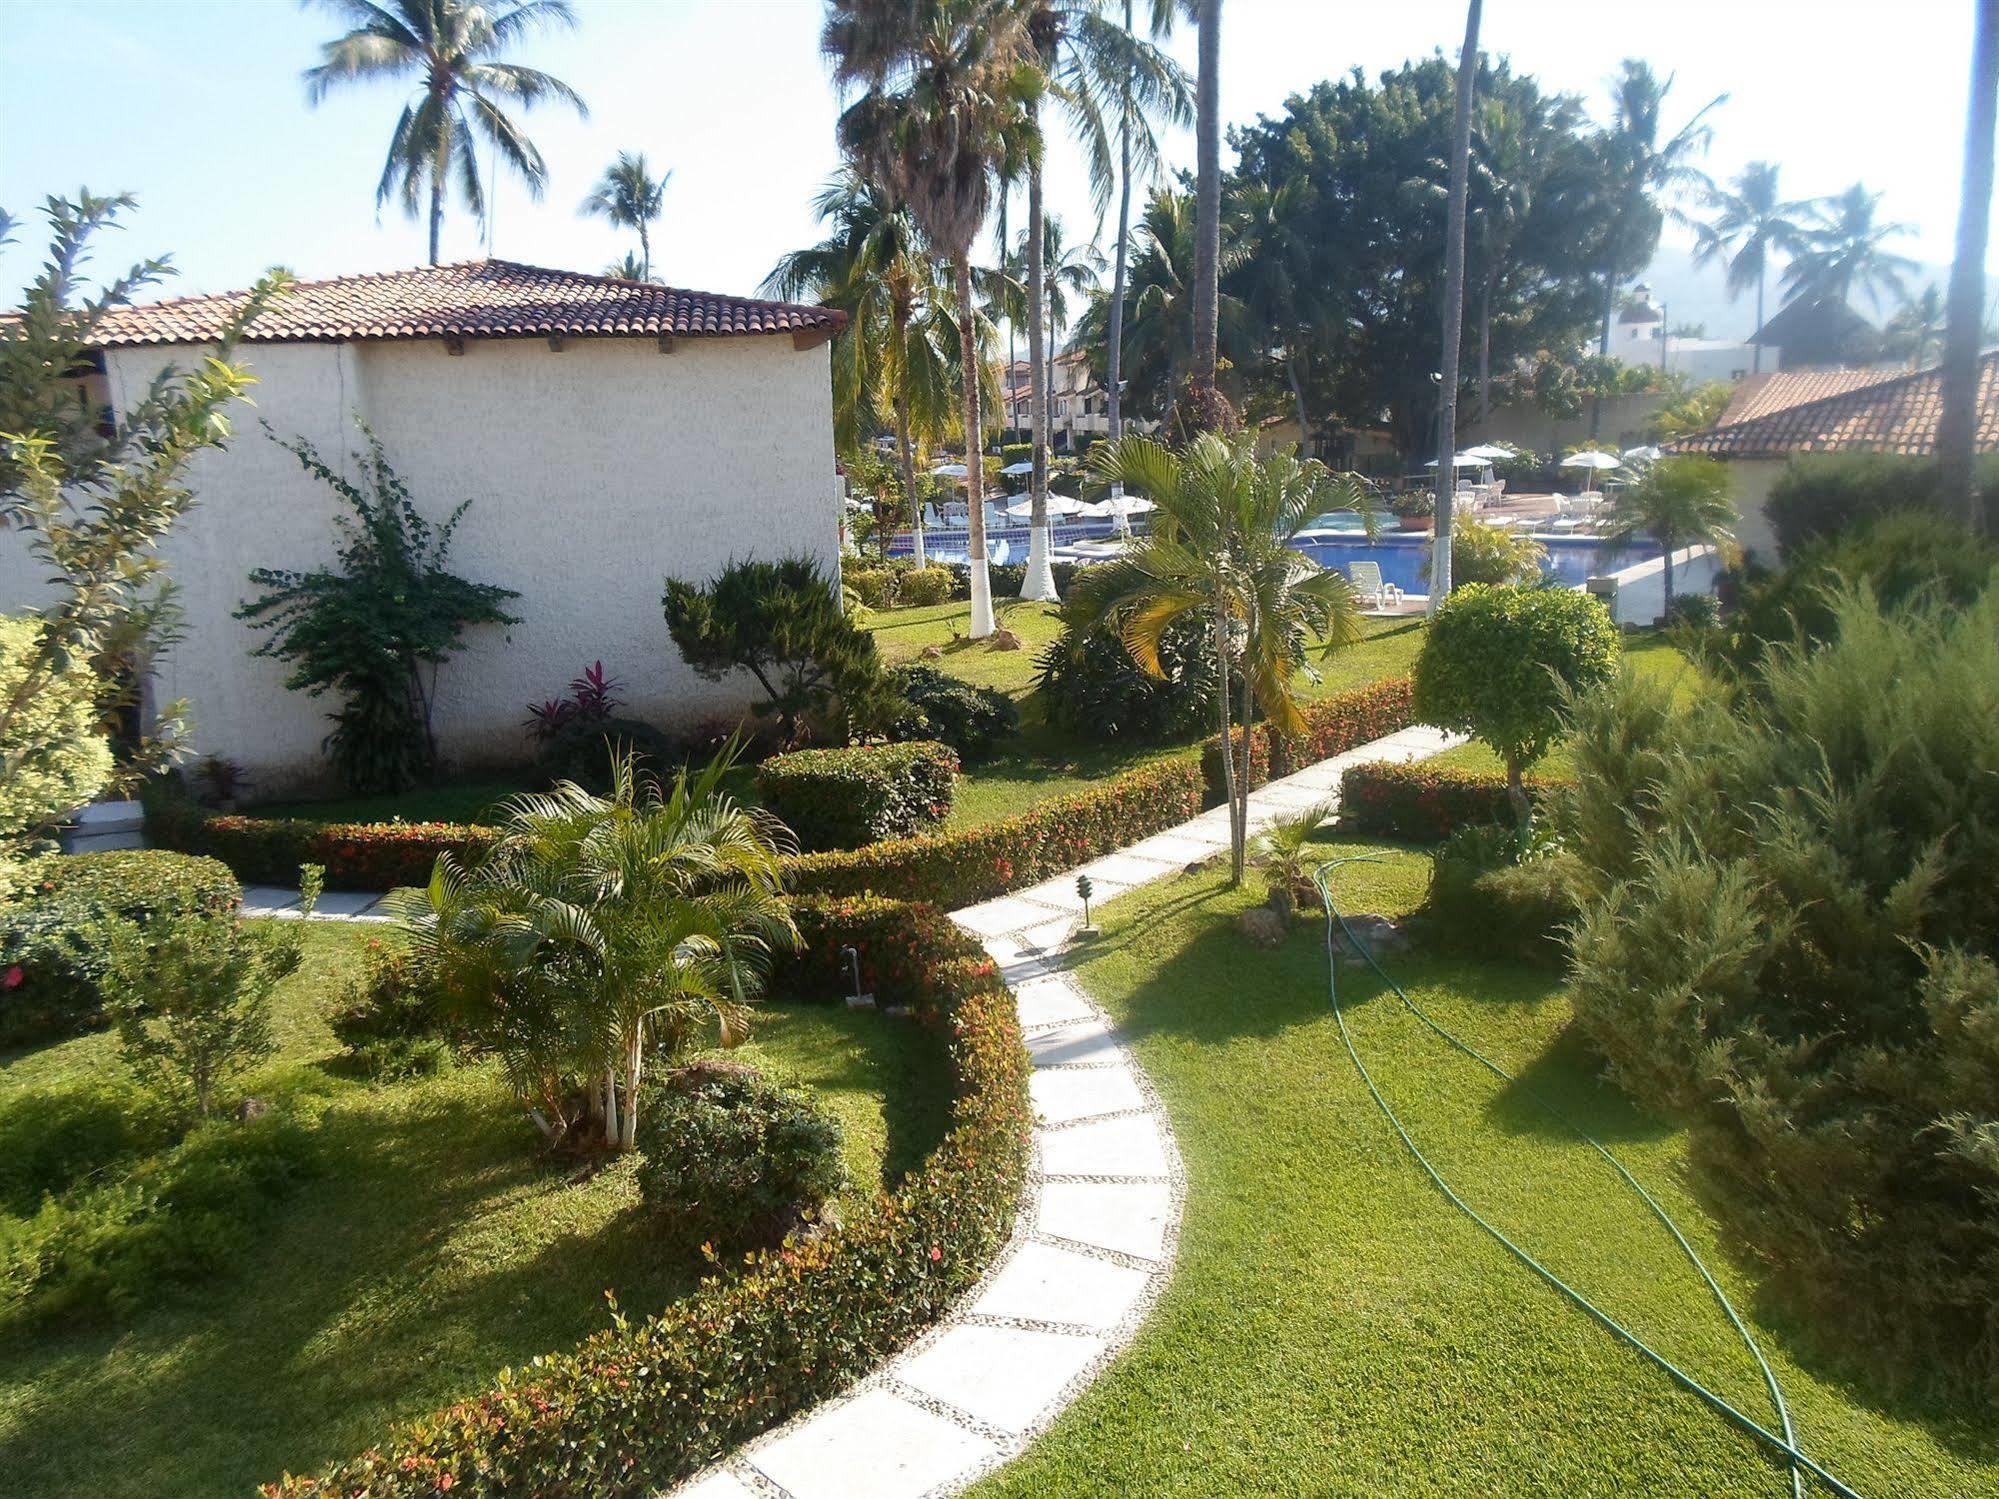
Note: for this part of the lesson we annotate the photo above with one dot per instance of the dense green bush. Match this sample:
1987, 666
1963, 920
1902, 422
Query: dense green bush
585, 752
736, 1161
1492, 554
55, 938
967, 865
1787, 940
971, 719
392, 1020
897, 583
1489, 897
52, 1138
1092, 688
55, 756
1422, 803
1497, 661
639, 1406
844, 798
1822, 494
1333, 725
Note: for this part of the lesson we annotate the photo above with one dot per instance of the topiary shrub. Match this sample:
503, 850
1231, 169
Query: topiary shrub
1787, 941
844, 798
922, 587
950, 710
736, 1161
56, 937
1091, 687
1496, 663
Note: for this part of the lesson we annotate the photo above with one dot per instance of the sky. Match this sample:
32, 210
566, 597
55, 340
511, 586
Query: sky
197, 108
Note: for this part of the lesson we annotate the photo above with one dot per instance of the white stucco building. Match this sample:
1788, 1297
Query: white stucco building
608, 433
1640, 337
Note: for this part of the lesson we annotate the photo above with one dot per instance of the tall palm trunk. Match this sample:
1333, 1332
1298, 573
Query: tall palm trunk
645, 251
1957, 427
1115, 356
975, 463
436, 214
1454, 313
1039, 582
905, 452
1485, 349
1666, 547
1207, 192
1236, 836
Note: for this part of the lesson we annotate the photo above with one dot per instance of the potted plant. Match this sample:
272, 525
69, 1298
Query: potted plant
1413, 509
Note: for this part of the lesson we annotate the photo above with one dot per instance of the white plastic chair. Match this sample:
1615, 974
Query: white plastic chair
1366, 580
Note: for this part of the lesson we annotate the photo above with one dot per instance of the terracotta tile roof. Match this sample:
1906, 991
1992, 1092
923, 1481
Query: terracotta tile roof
472, 299
1895, 415
1759, 395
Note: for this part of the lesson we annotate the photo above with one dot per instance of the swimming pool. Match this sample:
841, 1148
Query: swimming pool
1571, 559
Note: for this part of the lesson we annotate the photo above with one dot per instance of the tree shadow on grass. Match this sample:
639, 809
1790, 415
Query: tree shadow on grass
1567, 1077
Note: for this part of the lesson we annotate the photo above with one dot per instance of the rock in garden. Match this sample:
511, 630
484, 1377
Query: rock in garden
932, 653
1003, 640
1263, 927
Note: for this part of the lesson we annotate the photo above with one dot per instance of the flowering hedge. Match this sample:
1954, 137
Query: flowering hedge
843, 798
967, 865
1422, 803
1333, 725
641, 1405
357, 855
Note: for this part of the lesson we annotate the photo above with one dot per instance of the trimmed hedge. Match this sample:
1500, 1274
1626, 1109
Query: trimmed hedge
1424, 804
965, 866
842, 798
356, 855
640, 1406
1333, 725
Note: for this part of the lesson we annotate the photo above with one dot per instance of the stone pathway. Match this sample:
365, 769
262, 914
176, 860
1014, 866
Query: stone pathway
1099, 1221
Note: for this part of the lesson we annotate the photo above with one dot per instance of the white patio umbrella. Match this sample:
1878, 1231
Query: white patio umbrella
1119, 504
1462, 460
1058, 504
1488, 452
1025, 466
950, 471
1590, 462
1647, 454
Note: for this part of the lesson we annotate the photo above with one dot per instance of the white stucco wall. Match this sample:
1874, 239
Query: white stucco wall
595, 471
1753, 479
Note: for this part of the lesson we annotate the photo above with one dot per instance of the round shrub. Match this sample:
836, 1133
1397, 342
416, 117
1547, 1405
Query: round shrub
736, 1161
845, 798
55, 945
582, 752
1092, 687
56, 758
950, 710
924, 586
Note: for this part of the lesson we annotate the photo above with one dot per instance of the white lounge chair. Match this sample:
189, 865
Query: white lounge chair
1367, 582
1001, 551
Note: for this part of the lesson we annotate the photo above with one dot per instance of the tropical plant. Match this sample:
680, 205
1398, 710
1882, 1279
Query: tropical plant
593, 699
1492, 554
92, 494
1957, 423
627, 267
628, 196
1695, 411
1913, 332
1497, 663
942, 88
1453, 311
601, 932
1846, 253
781, 623
1751, 222
451, 47
1678, 500
1283, 851
1218, 551
377, 627
1091, 688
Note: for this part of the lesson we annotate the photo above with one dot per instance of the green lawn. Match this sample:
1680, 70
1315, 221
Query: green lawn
1333, 1326
438, 1247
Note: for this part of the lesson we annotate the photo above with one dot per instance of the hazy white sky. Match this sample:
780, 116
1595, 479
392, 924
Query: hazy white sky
196, 106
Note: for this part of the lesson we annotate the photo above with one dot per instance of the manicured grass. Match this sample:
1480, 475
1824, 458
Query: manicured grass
1334, 1326
438, 1246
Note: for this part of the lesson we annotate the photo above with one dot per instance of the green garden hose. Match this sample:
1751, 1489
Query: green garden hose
1785, 1445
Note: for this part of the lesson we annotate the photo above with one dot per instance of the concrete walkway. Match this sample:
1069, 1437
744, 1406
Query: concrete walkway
1099, 1222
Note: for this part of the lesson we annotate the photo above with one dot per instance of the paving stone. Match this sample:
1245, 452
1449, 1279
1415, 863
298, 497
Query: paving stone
1285, 797
1128, 870
1007, 914
1042, 1283
1082, 1041
1107, 1147
1179, 847
1130, 1217
1051, 1000
1061, 893
268, 900
1050, 936
717, 1483
876, 1446
1004, 1376
1065, 1094
346, 903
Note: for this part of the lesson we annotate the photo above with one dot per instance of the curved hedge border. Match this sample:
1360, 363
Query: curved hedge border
964, 867
1333, 725
356, 855
638, 1407
1425, 804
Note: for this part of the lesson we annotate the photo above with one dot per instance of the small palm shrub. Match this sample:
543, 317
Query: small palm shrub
971, 719
1492, 554
1283, 851
1787, 940
734, 1161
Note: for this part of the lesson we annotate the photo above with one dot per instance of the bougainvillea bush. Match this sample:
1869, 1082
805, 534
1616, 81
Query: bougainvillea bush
843, 798
647, 1402
1333, 725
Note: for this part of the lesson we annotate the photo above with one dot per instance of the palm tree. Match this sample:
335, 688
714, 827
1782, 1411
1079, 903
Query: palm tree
1273, 280
1207, 208
451, 45
628, 196
1957, 427
627, 267
943, 88
1069, 271
1750, 221
1677, 501
1846, 252
897, 355
1219, 549
1454, 311
1912, 332
601, 929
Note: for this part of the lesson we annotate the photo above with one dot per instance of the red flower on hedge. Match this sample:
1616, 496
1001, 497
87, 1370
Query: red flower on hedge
15, 978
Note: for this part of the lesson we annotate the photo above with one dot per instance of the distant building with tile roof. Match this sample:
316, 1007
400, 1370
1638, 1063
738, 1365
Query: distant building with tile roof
609, 433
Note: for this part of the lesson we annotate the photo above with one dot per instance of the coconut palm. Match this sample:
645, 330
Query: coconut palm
1070, 273
451, 47
1750, 221
1219, 550
1454, 311
628, 196
897, 357
603, 930
943, 87
1912, 332
1846, 252
1957, 427
1274, 280
627, 267
1677, 501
